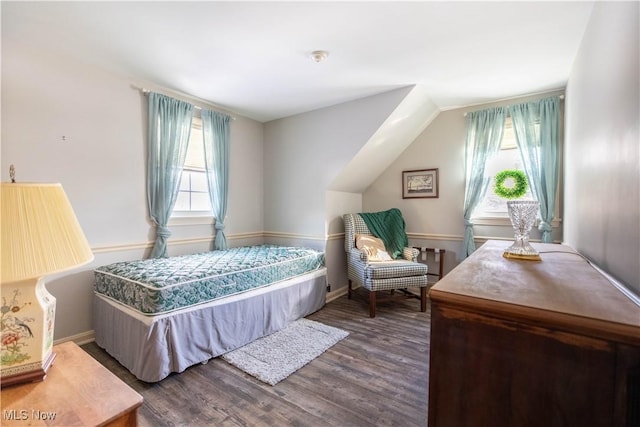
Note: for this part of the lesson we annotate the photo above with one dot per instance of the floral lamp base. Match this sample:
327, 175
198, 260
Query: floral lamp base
38, 373
27, 314
523, 215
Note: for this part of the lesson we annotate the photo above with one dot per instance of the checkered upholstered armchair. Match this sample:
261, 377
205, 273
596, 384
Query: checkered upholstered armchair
382, 277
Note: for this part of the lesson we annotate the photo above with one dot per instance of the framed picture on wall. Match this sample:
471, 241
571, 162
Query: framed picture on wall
419, 184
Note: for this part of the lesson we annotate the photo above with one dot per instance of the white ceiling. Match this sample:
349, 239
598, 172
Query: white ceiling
252, 58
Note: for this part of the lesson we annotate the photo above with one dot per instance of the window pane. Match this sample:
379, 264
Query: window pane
182, 202
200, 202
199, 182
509, 135
184, 181
195, 149
194, 191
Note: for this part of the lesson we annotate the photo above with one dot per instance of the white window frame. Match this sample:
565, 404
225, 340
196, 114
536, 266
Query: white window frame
192, 217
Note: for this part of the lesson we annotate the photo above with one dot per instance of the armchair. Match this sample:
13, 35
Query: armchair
377, 276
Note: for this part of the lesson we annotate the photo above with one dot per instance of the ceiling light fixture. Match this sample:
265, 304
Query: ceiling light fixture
319, 55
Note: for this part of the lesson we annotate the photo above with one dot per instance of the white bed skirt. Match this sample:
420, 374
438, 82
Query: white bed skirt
152, 347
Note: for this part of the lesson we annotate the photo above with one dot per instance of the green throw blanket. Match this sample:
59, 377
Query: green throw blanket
388, 226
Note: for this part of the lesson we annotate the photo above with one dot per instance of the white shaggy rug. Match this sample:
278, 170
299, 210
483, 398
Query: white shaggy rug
274, 357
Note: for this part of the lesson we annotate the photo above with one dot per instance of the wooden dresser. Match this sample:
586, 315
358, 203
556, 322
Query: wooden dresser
525, 343
78, 391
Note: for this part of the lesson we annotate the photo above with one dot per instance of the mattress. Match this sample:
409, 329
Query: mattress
161, 285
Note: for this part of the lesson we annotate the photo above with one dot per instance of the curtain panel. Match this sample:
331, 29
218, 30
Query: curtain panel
484, 135
537, 129
169, 126
215, 131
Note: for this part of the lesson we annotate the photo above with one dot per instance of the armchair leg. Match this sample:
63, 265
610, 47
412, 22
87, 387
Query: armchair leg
372, 303
423, 299
349, 291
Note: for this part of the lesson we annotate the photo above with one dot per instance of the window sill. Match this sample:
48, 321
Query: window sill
492, 220
191, 218
504, 221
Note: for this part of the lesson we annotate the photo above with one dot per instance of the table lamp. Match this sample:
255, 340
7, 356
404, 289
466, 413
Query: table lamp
40, 235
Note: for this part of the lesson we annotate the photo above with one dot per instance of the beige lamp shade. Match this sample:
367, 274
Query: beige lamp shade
40, 232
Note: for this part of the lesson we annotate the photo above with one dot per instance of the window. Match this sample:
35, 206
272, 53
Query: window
193, 195
508, 158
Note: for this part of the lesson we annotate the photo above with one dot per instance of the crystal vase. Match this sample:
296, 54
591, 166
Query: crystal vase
523, 215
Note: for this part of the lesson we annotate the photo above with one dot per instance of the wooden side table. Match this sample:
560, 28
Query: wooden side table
439, 258
78, 391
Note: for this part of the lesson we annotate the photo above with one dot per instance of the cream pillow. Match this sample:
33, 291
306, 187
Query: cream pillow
373, 247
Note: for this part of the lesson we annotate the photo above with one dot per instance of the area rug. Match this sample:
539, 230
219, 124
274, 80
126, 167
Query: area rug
274, 357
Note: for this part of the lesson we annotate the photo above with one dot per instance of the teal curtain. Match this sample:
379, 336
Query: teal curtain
484, 134
169, 126
215, 130
536, 125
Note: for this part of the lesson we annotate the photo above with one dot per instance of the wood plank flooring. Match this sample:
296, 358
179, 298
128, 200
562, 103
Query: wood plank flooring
377, 376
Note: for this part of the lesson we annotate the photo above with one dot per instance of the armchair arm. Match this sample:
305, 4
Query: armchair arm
357, 255
410, 254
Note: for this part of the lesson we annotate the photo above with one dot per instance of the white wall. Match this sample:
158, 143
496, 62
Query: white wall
337, 204
305, 152
437, 222
602, 205
102, 165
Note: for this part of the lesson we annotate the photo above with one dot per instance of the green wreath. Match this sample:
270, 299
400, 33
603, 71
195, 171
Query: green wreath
519, 187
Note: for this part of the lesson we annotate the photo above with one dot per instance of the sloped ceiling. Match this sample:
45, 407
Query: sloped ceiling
412, 115
252, 58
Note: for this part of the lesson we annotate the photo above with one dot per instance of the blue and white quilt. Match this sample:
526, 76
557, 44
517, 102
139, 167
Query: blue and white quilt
161, 285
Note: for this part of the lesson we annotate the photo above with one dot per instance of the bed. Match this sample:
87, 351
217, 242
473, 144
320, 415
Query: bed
159, 316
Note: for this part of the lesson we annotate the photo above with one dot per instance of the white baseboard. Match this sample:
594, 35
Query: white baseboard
80, 339
336, 294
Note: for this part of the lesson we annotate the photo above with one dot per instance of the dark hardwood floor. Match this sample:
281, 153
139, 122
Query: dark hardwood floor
377, 376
